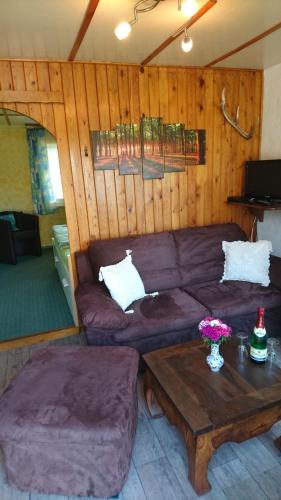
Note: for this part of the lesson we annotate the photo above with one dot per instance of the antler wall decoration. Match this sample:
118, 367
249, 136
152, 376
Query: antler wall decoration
234, 122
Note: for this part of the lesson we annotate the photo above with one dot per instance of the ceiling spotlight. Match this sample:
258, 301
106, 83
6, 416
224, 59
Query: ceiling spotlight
122, 30
188, 7
187, 42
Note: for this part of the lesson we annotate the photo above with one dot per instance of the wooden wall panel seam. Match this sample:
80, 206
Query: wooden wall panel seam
85, 149
112, 179
75, 153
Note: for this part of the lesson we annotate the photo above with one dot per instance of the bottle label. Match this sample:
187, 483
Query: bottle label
258, 354
259, 332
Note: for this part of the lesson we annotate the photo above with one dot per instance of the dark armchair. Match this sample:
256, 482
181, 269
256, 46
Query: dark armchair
24, 239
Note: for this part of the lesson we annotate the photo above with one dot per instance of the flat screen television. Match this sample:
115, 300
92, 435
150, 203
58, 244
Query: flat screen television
263, 179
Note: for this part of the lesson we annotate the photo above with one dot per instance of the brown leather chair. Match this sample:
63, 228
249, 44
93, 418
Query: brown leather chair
22, 240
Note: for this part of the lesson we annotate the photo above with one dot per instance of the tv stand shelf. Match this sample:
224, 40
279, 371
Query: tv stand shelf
257, 210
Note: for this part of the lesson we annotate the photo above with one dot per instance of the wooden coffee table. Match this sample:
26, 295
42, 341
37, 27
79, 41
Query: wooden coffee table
238, 403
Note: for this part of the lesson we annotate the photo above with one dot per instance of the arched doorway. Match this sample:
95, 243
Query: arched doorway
30, 184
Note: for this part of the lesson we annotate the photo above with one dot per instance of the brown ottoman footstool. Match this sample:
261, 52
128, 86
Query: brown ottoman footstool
68, 421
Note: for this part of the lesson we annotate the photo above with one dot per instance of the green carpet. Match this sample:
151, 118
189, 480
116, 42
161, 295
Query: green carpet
31, 297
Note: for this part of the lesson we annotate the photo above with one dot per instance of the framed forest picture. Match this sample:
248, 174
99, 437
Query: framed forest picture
129, 148
152, 148
104, 144
149, 147
195, 146
174, 147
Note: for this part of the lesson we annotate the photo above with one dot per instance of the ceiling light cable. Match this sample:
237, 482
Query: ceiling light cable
188, 7
151, 4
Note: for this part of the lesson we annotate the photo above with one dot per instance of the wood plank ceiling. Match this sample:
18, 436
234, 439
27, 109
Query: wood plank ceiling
57, 29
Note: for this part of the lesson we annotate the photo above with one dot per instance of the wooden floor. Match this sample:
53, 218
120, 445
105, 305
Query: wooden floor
246, 471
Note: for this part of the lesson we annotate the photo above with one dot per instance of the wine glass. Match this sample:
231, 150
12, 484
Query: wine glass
242, 349
272, 342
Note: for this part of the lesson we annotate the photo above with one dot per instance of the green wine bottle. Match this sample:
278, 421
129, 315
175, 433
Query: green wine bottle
258, 341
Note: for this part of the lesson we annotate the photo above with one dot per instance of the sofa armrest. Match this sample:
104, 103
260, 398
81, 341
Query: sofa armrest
98, 309
275, 271
83, 266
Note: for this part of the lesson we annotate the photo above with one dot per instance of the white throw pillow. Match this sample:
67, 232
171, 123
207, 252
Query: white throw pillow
245, 261
123, 282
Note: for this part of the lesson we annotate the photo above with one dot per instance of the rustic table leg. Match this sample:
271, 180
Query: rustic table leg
199, 452
151, 401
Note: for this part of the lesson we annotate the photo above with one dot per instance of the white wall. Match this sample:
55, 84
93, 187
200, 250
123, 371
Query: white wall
270, 229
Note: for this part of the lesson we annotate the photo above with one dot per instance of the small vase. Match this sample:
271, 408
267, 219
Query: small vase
215, 360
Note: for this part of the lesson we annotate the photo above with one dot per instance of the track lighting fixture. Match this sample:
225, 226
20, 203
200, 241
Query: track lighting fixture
187, 7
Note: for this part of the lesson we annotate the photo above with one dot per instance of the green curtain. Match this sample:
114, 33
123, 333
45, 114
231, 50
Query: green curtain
43, 197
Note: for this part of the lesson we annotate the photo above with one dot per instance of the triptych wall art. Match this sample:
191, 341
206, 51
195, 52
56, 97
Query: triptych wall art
150, 148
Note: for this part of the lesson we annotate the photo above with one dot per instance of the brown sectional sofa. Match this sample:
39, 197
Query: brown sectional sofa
185, 266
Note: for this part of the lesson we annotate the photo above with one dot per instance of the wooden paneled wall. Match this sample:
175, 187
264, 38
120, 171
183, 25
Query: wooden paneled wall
97, 96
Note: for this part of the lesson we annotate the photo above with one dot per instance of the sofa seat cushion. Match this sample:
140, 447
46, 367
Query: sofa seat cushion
98, 309
234, 297
200, 255
171, 310
154, 256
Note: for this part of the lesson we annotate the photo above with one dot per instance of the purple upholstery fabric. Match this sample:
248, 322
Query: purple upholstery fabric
172, 310
275, 271
97, 308
245, 322
154, 256
84, 268
186, 265
200, 255
239, 323
68, 420
233, 298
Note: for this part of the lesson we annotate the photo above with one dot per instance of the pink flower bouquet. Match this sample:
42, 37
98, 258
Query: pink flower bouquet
214, 331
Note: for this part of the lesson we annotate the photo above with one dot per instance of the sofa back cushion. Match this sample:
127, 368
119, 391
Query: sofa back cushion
154, 256
199, 251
